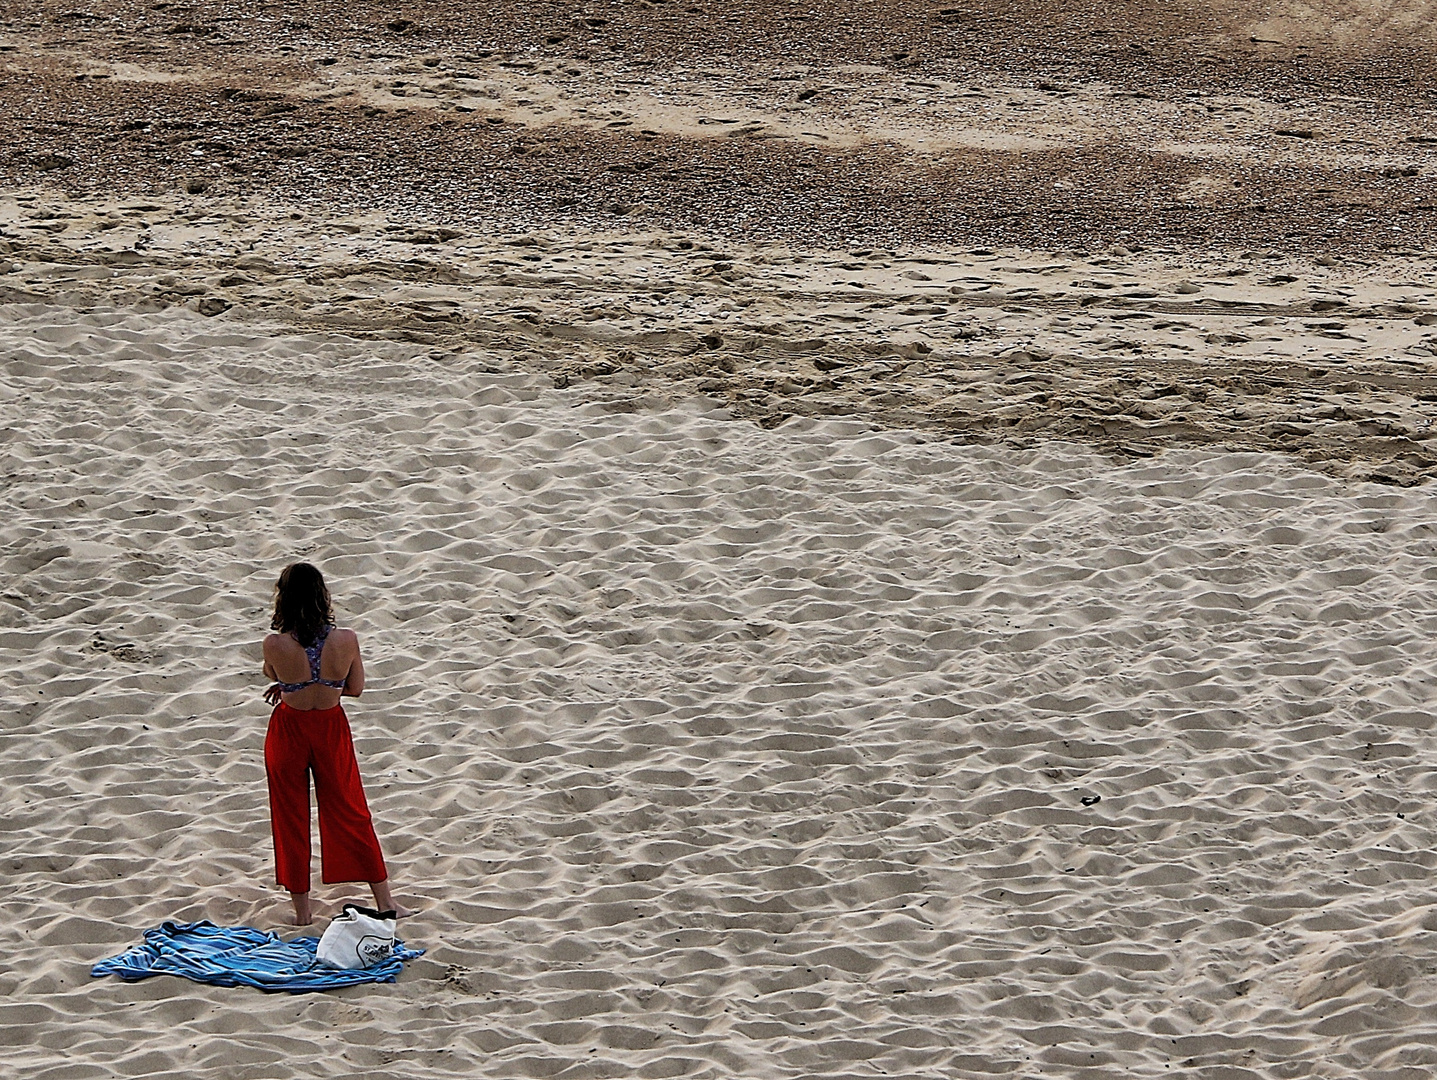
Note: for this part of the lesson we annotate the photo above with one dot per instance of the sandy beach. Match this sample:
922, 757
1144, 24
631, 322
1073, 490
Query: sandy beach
707, 749
887, 541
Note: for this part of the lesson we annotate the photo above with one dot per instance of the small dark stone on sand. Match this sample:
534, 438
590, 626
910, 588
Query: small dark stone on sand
48, 161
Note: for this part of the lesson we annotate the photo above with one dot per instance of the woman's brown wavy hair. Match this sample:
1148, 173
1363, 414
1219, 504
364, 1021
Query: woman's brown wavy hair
301, 603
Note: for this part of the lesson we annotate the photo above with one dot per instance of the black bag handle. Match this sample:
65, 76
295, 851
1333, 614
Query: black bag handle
392, 915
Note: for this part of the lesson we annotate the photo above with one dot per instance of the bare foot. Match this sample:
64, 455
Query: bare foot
384, 899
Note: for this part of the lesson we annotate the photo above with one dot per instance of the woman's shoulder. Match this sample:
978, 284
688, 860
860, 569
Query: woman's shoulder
342, 635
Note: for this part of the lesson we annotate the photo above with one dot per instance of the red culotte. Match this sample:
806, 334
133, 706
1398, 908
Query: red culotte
298, 742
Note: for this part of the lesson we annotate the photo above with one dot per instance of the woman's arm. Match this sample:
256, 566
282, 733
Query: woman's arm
271, 694
271, 649
354, 681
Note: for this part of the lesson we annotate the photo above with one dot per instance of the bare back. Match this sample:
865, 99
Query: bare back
286, 661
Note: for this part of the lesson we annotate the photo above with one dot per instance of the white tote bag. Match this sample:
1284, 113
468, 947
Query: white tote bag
357, 938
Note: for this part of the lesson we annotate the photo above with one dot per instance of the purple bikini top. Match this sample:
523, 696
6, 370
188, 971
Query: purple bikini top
313, 652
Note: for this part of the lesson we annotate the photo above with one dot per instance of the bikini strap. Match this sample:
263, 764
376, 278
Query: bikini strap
314, 652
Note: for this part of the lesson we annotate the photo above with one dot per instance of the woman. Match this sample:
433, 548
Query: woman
314, 665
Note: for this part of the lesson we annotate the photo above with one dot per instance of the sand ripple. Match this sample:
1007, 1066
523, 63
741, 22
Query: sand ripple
709, 750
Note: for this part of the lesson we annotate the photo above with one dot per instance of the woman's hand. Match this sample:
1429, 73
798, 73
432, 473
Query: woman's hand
271, 696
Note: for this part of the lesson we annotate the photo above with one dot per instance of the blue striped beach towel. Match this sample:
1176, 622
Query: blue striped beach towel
242, 956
